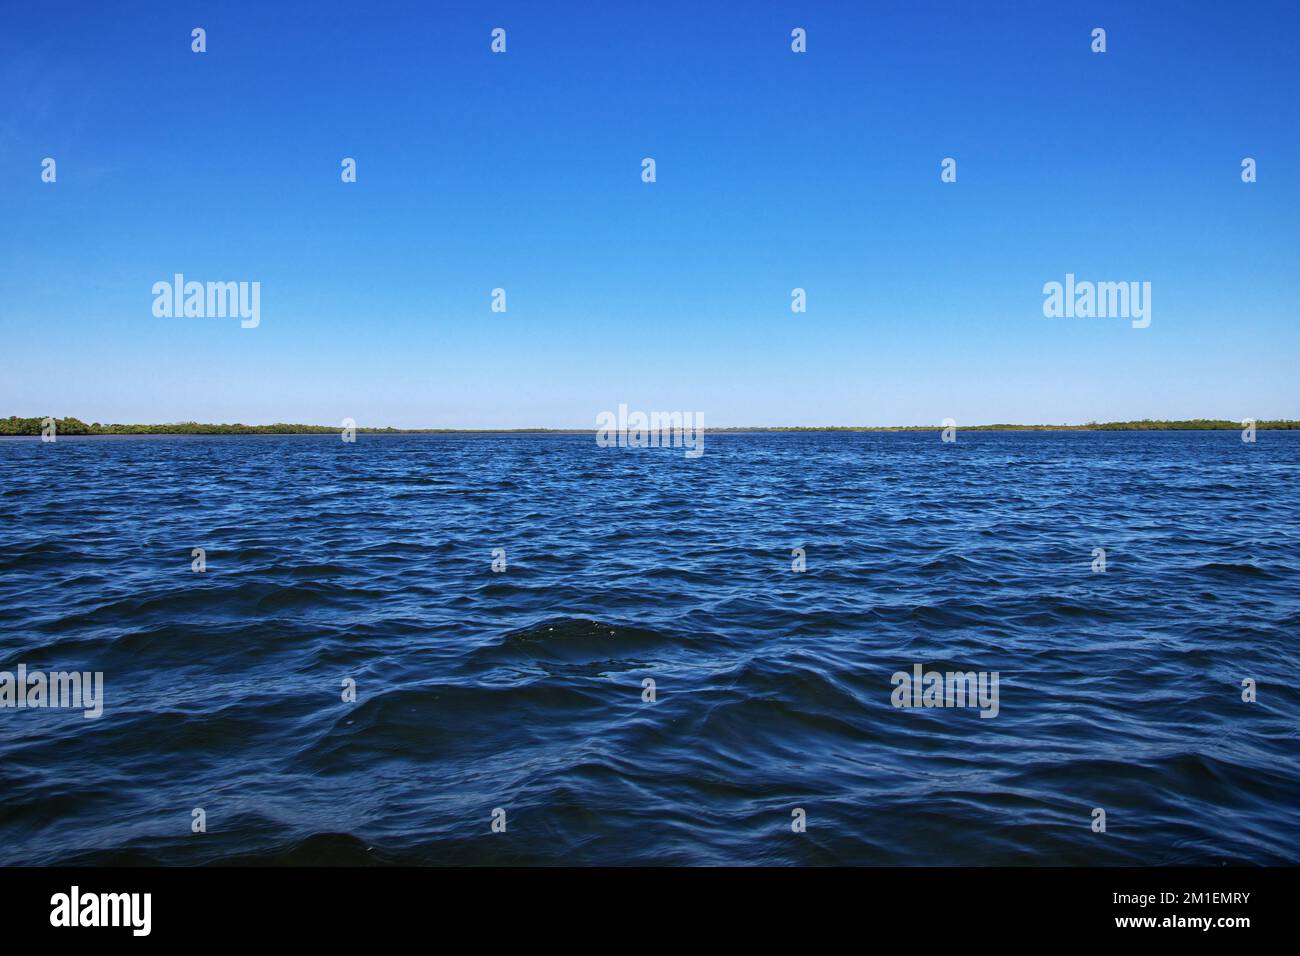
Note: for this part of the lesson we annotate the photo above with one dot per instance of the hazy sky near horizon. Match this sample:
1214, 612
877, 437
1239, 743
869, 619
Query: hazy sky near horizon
775, 170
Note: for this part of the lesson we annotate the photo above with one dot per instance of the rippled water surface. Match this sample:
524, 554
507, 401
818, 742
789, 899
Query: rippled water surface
523, 690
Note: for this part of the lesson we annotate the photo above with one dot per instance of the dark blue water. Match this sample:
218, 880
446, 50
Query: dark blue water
522, 690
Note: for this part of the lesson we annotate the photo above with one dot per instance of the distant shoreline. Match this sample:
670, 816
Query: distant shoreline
15, 427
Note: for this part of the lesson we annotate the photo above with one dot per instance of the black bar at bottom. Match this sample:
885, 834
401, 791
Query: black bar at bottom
212, 904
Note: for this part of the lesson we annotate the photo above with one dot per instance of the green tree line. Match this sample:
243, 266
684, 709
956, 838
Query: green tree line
13, 425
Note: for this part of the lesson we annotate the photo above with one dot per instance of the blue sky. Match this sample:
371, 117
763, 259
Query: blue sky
775, 170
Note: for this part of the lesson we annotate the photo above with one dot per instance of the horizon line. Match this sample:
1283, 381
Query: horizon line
16, 426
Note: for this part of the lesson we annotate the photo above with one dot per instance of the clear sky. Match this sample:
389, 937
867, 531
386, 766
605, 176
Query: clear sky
775, 170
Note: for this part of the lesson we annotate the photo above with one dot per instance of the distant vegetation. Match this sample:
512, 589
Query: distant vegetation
75, 426
1145, 425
